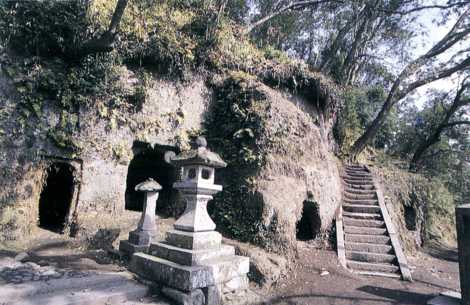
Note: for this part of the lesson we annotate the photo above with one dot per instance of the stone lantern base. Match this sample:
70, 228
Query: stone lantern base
194, 267
138, 242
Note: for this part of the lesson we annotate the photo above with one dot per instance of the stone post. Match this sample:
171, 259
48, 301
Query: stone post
462, 214
140, 238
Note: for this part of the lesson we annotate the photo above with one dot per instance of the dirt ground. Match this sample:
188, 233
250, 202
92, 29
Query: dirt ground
434, 270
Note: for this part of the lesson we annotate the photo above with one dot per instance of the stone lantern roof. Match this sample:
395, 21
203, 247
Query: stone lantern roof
148, 185
201, 155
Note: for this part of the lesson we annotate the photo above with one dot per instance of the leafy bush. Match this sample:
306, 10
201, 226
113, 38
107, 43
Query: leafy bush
234, 129
46, 28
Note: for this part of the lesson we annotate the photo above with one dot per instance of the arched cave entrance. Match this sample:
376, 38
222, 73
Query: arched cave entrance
410, 218
309, 224
56, 197
147, 163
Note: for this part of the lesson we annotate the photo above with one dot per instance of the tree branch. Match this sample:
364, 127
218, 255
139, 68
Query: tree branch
452, 124
292, 5
395, 94
436, 76
427, 7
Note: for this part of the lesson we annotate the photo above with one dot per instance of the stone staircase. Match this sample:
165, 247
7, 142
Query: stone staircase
366, 238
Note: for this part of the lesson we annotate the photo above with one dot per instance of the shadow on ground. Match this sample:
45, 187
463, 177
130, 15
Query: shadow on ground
441, 251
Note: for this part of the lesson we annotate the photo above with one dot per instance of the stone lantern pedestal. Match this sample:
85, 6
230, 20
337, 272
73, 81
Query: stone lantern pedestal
192, 263
140, 239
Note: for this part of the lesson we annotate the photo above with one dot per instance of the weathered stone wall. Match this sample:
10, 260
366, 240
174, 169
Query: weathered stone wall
174, 110
299, 167
170, 112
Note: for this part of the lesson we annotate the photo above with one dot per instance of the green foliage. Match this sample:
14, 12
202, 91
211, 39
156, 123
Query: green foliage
439, 207
48, 28
432, 201
447, 159
348, 127
359, 108
234, 129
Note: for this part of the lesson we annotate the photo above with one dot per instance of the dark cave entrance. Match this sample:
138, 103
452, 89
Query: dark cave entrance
309, 224
56, 197
410, 218
147, 163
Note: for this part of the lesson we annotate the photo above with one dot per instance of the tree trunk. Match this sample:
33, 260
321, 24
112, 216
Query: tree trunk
105, 42
435, 136
395, 94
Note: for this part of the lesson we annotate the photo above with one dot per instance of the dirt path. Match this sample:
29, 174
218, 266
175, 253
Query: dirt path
305, 285
433, 272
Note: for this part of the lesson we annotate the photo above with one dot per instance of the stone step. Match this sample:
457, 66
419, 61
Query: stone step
369, 257
367, 247
358, 182
363, 223
366, 216
361, 201
360, 196
362, 266
356, 166
365, 187
194, 240
188, 278
363, 238
365, 230
384, 274
356, 177
361, 208
189, 257
357, 173
96, 290
356, 191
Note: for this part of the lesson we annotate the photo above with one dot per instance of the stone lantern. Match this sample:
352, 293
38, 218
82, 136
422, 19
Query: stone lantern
197, 186
140, 238
192, 264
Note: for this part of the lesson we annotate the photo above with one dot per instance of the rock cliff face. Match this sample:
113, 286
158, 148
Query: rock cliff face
115, 148
300, 170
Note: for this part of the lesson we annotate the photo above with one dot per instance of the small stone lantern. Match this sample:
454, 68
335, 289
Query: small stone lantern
140, 239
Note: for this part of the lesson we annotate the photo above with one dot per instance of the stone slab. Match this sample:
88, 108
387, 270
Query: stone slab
184, 278
236, 284
226, 268
189, 257
195, 297
194, 240
128, 248
188, 278
141, 238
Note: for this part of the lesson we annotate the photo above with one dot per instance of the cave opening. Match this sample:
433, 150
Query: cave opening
56, 197
149, 162
309, 224
410, 218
